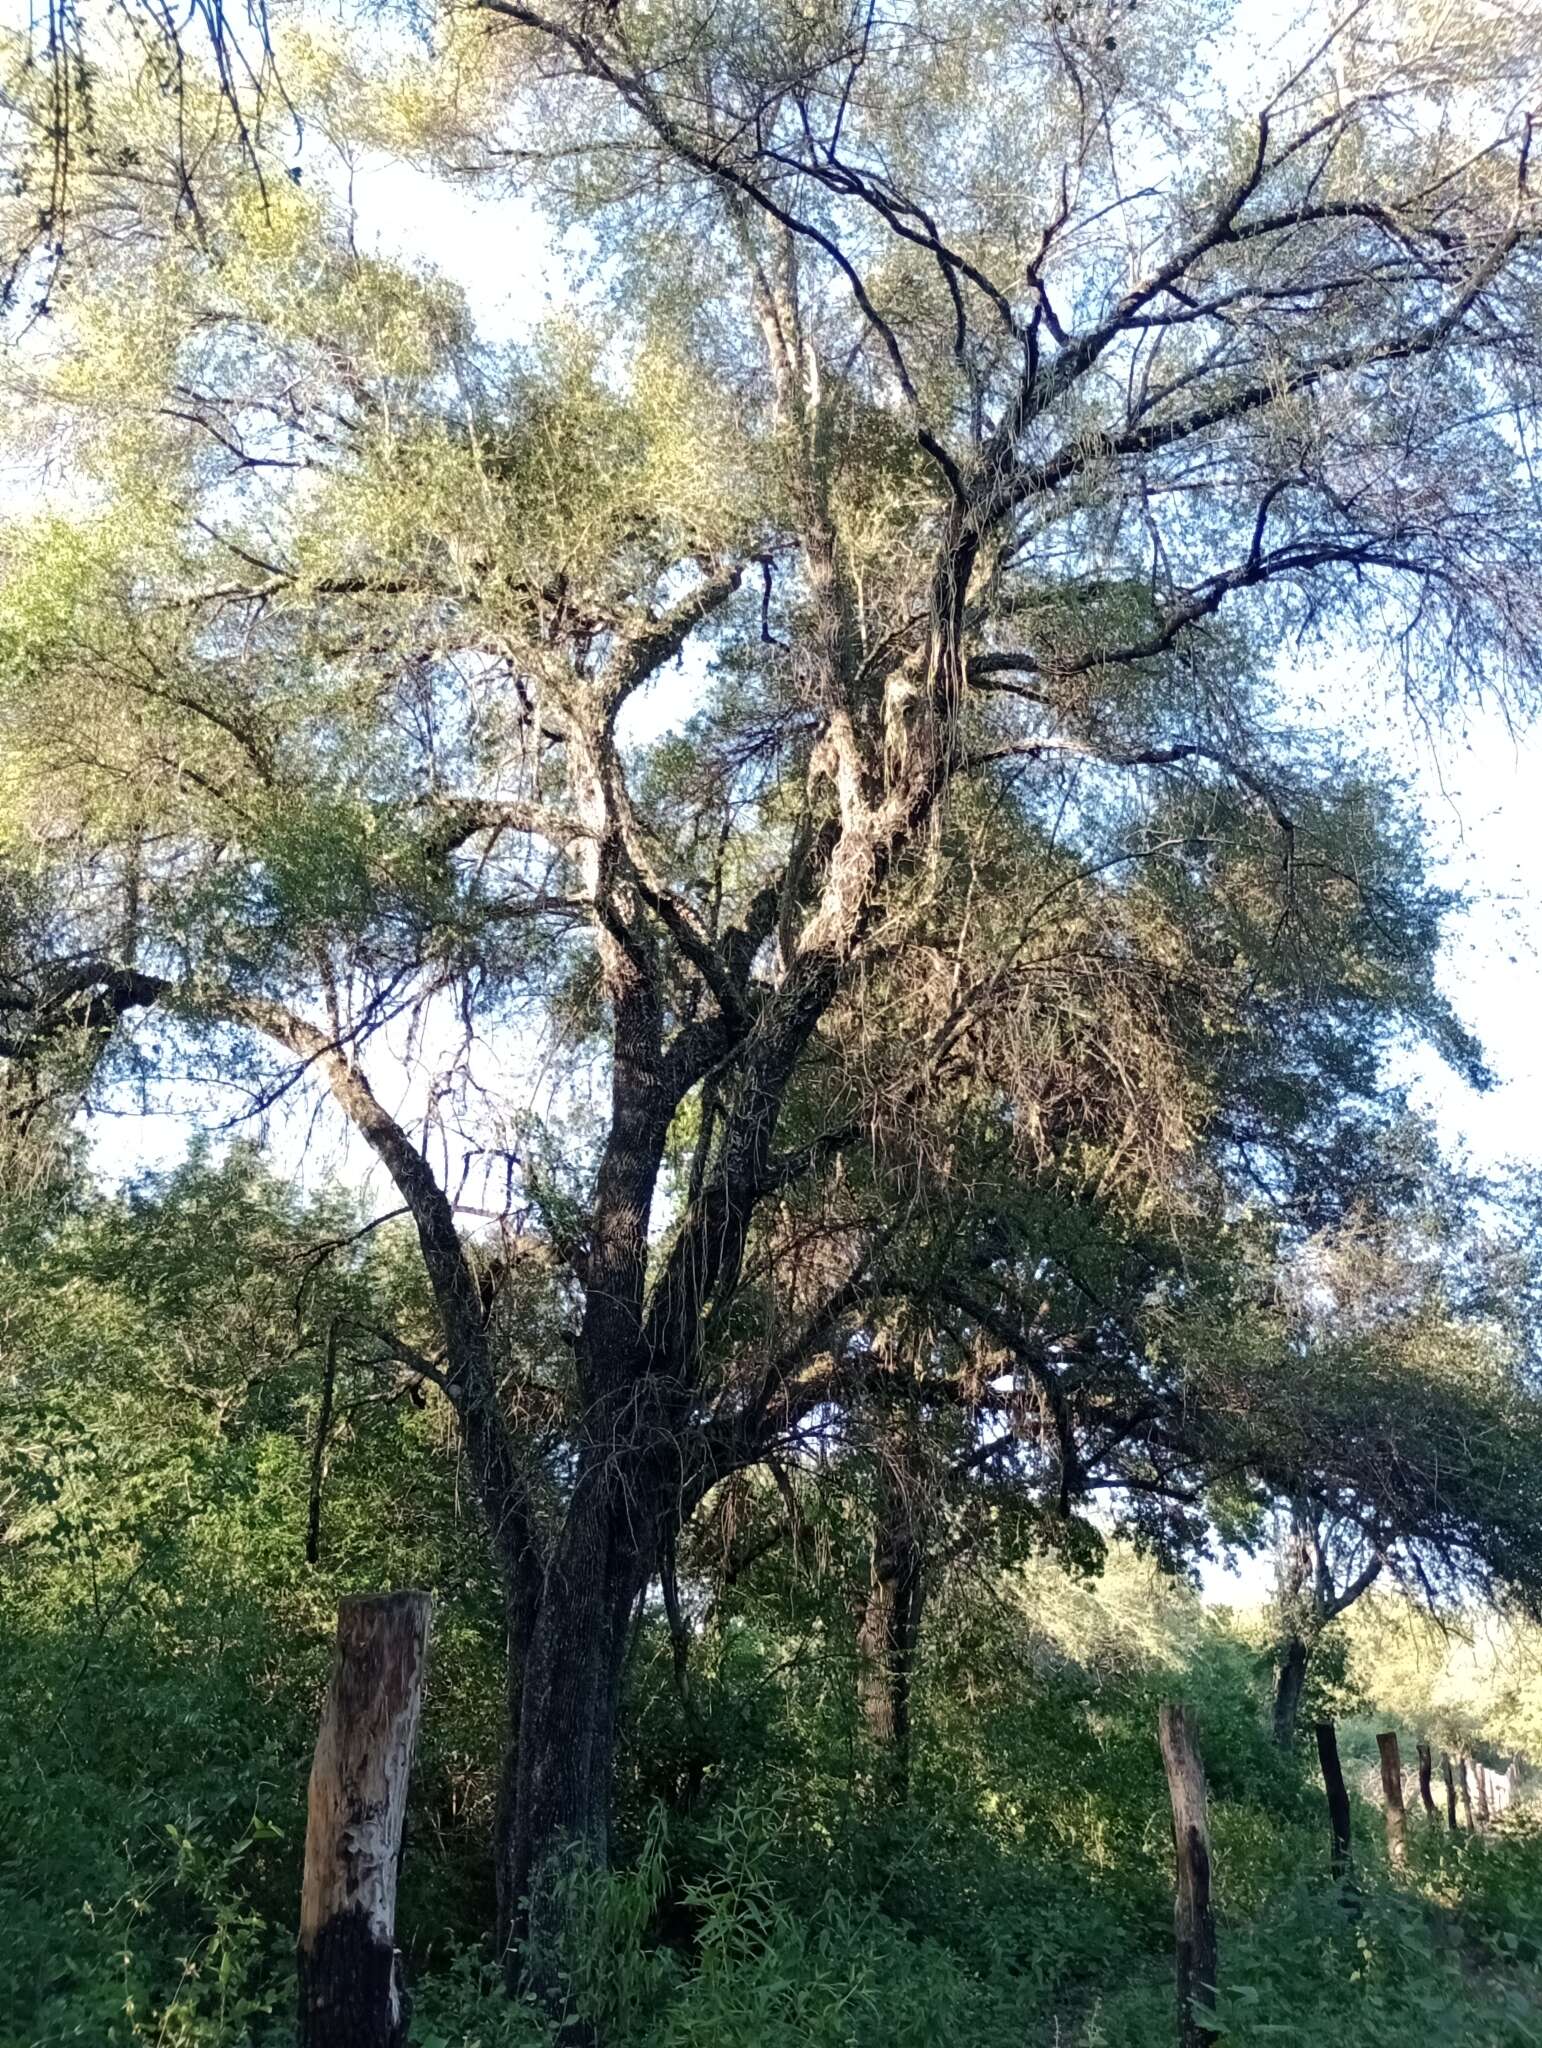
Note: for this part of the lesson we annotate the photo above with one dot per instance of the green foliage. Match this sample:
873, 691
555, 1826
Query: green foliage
1012, 968
163, 1640
164, 1645
154, 1559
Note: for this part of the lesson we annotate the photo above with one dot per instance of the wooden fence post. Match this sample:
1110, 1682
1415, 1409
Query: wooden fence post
1463, 1788
1425, 1767
1338, 1795
1449, 1777
1392, 1792
1193, 1920
351, 1989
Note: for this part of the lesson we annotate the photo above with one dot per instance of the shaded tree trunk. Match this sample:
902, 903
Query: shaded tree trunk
1465, 1790
1289, 1682
554, 1818
350, 1983
1448, 1776
1480, 1778
1194, 1942
1338, 1796
1392, 1793
890, 1626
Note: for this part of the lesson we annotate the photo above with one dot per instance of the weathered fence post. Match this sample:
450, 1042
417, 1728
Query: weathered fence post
1449, 1777
1193, 1920
351, 1990
1463, 1788
1480, 1776
1392, 1792
1338, 1795
1425, 1767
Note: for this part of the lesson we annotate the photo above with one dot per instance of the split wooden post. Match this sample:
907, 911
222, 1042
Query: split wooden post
1425, 1767
1392, 1792
1193, 1919
1480, 1778
1338, 1796
1465, 1790
1449, 1776
351, 1989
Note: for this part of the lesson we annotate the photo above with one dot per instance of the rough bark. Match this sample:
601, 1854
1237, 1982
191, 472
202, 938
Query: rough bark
1289, 1681
1465, 1790
351, 1993
1425, 1767
1480, 1778
1338, 1797
556, 1818
1193, 1920
1392, 1793
1448, 1776
890, 1626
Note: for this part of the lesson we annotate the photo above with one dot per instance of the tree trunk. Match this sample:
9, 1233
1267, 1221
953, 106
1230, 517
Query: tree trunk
554, 1820
1465, 1790
351, 1989
1289, 1680
1425, 1767
1480, 1781
1193, 1921
890, 1627
1449, 1778
1392, 1792
1338, 1796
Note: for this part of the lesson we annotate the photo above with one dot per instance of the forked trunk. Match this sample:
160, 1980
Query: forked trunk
1289, 1683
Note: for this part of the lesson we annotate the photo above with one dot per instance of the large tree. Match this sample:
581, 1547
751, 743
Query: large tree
960, 398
